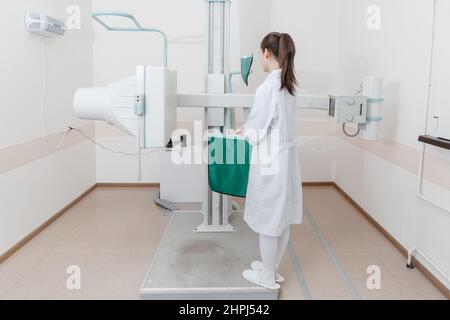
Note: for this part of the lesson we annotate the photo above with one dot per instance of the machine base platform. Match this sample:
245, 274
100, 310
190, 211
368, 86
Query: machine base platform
208, 266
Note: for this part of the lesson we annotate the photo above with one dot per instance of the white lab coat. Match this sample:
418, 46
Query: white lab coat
274, 193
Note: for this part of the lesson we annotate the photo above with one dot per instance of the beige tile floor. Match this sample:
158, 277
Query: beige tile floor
113, 233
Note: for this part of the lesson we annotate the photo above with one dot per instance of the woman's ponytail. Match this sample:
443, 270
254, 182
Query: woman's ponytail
282, 47
286, 55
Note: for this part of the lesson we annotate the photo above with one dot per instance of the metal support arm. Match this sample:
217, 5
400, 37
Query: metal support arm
225, 100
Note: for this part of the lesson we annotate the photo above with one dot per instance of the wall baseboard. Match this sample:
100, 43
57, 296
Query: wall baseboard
47, 223
318, 184
127, 185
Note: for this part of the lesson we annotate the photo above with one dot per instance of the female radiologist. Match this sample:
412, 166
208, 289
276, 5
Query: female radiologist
274, 192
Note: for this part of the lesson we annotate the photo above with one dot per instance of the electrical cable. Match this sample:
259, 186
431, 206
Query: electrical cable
348, 134
112, 150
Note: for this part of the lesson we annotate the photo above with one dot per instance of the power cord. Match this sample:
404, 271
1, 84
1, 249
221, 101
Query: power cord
349, 134
129, 154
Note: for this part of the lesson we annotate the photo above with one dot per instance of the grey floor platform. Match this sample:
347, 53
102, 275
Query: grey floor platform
191, 265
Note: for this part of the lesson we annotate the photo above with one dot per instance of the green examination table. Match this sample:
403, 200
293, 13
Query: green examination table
229, 164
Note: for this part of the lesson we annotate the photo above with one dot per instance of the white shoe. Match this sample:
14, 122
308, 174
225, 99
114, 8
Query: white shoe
255, 277
257, 265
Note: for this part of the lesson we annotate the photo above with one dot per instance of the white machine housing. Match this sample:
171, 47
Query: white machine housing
153, 88
363, 109
372, 88
43, 25
348, 109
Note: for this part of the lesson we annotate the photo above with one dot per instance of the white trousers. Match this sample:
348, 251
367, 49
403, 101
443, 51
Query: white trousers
272, 250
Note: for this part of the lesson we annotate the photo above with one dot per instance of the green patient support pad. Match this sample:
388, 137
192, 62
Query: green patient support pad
229, 164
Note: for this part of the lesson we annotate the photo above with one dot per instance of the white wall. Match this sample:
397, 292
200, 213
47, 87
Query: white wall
31, 193
440, 99
399, 52
313, 26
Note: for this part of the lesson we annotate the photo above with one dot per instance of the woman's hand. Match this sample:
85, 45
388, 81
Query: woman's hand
239, 131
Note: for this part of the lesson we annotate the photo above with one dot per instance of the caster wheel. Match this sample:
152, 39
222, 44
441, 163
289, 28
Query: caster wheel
409, 266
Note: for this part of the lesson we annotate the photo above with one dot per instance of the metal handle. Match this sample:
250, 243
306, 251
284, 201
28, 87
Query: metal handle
96, 16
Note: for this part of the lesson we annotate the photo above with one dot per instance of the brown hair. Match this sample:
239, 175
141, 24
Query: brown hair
282, 47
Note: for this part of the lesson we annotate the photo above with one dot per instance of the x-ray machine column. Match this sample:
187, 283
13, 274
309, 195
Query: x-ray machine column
216, 206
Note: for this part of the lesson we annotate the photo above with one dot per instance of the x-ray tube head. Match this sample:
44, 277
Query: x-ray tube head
115, 104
